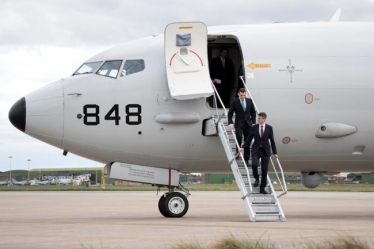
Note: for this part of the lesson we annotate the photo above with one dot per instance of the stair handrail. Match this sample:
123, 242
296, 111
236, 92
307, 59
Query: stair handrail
224, 114
243, 188
234, 167
282, 216
241, 156
283, 186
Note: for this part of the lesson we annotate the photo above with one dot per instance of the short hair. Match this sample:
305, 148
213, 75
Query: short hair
242, 90
223, 49
262, 114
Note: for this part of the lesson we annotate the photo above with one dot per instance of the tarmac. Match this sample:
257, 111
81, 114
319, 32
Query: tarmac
123, 219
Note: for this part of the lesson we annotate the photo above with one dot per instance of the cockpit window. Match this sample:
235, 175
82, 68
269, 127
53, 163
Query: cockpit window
132, 66
87, 68
110, 69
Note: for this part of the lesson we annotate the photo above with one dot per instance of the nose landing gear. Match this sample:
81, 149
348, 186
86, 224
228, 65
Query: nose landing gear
173, 204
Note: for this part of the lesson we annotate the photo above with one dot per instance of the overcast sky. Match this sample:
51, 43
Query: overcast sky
42, 41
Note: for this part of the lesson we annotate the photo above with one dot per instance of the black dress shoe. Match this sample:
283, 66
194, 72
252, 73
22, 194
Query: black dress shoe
256, 183
262, 191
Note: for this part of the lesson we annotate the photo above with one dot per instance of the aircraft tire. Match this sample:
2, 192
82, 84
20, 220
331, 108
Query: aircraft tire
162, 206
176, 205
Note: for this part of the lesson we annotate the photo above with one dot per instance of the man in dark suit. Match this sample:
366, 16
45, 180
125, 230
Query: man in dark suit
223, 75
245, 116
261, 133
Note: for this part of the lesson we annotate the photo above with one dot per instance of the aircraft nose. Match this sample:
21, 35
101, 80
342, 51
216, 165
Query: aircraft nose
40, 114
17, 114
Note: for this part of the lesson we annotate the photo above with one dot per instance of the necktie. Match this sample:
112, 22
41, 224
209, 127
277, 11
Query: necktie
223, 62
243, 105
262, 131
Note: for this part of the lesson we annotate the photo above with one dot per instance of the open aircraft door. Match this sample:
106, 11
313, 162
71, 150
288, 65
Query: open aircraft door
187, 61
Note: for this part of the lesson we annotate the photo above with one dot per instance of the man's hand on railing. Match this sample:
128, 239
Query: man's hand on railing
276, 155
241, 149
231, 126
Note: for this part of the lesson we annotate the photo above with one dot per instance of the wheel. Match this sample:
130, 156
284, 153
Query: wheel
162, 205
176, 205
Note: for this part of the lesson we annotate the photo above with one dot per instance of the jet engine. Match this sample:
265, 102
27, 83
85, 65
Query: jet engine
310, 179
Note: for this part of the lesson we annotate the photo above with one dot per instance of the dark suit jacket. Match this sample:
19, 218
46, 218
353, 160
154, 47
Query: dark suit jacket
268, 134
249, 116
218, 72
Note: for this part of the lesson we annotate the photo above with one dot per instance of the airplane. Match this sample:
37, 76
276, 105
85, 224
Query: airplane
63, 181
6, 182
38, 182
57, 181
33, 182
20, 183
143, 110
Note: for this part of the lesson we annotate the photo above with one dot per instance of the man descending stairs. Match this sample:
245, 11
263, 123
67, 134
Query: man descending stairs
259, 206
245, 117
261, 133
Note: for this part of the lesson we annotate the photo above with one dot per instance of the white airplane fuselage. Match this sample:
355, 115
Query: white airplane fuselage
21, 183
6, 182
38, 182
302, 75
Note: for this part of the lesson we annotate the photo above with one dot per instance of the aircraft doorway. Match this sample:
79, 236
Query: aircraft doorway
229, 86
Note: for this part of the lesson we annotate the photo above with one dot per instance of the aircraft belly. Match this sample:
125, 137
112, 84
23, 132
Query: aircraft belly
326, 166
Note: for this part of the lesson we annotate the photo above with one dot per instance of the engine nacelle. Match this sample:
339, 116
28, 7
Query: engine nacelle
311, 179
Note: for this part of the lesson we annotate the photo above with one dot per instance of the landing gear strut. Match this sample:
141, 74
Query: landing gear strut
173, 204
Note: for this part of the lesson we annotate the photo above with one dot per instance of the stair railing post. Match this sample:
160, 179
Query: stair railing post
244, 163
283, 181
224, 114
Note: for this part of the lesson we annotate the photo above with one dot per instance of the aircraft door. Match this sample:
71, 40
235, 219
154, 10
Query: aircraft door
186, 59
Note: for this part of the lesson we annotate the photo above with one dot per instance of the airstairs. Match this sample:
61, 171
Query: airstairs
260, 207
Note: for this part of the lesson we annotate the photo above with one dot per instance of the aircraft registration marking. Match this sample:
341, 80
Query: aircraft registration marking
91, 114
255, 65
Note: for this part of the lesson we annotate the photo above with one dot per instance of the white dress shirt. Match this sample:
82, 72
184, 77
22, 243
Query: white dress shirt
259, 128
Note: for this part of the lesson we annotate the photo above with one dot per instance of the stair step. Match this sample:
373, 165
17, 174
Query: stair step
243, 172
256, 192
241, 164
265, 208
245, 179
268, 217
257, 199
